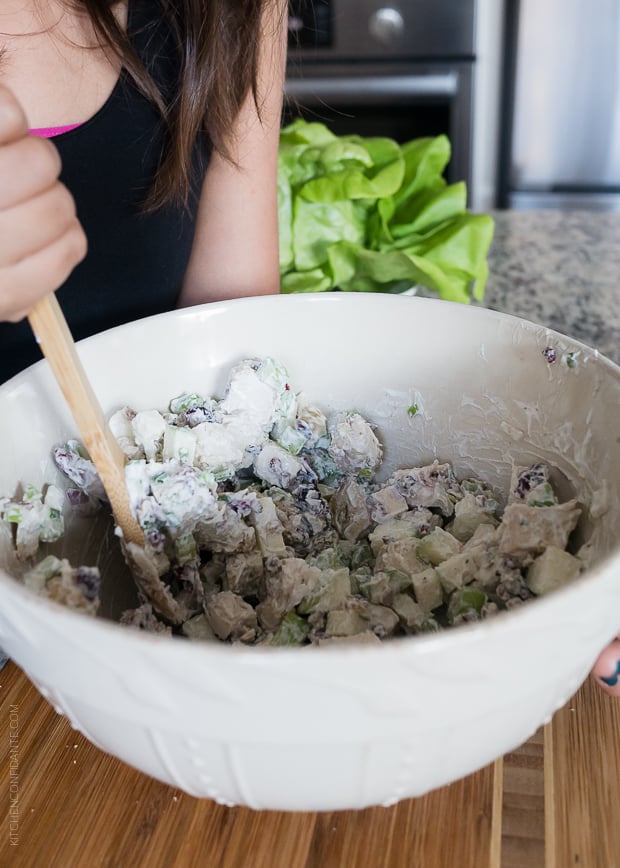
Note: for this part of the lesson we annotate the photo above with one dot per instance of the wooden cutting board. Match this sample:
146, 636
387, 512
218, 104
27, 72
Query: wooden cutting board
550, 804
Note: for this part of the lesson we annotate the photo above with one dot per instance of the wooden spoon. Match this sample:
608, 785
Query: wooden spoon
52, 333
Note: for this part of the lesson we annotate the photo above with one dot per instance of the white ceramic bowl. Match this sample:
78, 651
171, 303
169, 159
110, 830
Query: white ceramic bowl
337, 727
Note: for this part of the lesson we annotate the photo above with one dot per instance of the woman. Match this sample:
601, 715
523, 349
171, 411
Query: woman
156, 130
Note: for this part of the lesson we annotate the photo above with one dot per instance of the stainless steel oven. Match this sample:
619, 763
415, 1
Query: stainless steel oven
401, 70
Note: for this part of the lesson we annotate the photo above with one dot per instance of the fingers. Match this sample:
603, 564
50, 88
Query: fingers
28, 166
34, 224
41, 239
607, 669
41, 273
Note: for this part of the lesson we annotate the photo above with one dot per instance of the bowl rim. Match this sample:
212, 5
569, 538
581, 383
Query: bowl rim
211, 309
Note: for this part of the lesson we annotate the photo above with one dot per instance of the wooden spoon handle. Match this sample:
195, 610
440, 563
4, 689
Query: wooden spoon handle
52, 333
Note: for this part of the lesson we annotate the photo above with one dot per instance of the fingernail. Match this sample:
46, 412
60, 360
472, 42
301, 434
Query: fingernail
611, 680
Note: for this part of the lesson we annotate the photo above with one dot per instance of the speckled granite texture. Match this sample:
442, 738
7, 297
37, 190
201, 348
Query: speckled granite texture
560, 269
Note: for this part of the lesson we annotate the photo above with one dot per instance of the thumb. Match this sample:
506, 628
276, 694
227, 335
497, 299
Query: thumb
13, 123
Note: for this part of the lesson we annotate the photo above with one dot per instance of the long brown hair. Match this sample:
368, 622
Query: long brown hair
218, 47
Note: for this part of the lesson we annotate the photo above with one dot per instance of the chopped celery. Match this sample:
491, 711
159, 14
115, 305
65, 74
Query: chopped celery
292, 631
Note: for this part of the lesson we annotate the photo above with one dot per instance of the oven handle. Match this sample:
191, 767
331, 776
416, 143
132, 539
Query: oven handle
357, 89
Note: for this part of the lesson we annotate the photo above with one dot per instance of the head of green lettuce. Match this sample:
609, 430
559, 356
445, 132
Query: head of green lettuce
370, 215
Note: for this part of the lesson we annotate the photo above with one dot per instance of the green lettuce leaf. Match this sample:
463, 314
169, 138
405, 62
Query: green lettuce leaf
369, 215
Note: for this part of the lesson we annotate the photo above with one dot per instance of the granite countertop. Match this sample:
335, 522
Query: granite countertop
560, 269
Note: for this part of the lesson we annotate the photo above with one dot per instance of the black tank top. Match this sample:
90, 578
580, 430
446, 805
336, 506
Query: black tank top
136, 261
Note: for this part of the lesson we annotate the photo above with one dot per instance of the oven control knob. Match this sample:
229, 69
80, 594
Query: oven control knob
387, 25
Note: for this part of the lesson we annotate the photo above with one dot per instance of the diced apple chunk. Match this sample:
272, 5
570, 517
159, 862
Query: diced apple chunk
438, 546
551, 570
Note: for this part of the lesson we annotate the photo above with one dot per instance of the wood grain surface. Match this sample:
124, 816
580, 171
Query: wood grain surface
550, 804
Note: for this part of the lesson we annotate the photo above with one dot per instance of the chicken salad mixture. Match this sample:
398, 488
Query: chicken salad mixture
265, 524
